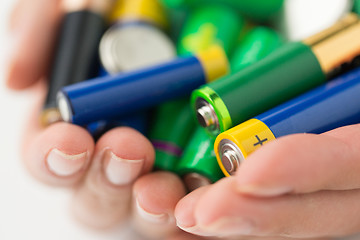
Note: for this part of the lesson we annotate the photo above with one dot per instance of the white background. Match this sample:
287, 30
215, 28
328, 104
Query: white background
30, 210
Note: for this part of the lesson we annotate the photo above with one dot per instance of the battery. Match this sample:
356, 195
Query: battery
122, 94
136, 121
255, 45
208, 25
356, 6
172, 128
256, 10
137, 38
332, 105
198, 166
289, 71
76, 52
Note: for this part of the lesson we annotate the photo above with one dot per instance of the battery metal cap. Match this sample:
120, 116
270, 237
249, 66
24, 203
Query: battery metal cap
131, 47
230, 156
210, 110
64, 107
50, 116
194, 181
234, 145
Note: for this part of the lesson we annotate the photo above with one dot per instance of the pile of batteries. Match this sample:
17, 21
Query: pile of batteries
141, 74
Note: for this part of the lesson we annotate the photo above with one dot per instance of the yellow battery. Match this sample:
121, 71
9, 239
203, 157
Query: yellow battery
143, 10
234, 145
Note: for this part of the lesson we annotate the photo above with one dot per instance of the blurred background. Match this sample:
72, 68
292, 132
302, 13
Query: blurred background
30, 209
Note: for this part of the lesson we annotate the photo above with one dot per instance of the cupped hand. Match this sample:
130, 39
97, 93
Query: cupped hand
102, 174
111, 178
299, 186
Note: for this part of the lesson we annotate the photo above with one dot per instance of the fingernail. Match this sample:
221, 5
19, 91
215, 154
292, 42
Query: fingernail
229, 227
194, 230
151, 217
262, 191
64, 165
120, 171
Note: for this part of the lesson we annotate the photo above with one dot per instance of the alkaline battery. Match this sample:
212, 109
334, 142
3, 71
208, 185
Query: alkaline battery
356, 6
137, 38
198, 166
136, 121
208, 25
256, 10
332, 105
76, 53
122, 94
256, 44
172, 128
289, 71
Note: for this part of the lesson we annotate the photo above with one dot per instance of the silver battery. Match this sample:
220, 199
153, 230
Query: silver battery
206, 116
230, 155
127, 47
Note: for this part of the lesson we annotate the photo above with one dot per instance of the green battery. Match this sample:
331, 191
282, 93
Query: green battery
208, 25
257, 44
287, 72
176, 18
257, 10
356, 6
172, 128
198, 167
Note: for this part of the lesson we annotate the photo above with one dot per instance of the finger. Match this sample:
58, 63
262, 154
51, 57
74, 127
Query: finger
121, 156
186, 236
58, 155
223, 211
33, 32
184, 211
304, 163
184, 214
155, 198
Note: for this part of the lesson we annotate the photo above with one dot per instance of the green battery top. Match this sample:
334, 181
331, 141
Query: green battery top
208, 25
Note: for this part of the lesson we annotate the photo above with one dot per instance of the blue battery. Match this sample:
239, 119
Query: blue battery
330, 106
119, 95
137, 121
327, 107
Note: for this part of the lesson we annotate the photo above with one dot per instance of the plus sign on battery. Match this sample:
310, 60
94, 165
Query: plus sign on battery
260, 142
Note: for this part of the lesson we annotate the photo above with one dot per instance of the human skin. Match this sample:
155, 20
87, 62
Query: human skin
300, 186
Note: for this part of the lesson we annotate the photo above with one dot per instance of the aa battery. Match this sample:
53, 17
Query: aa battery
136, 121
257, 10
332, 105
289, 71
208, 25
258, 43
356, 6
198, 166
173, 126
76, 51
137, 38
122, 94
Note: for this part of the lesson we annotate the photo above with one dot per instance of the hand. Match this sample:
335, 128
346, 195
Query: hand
102, 174
299, 186
65, 155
